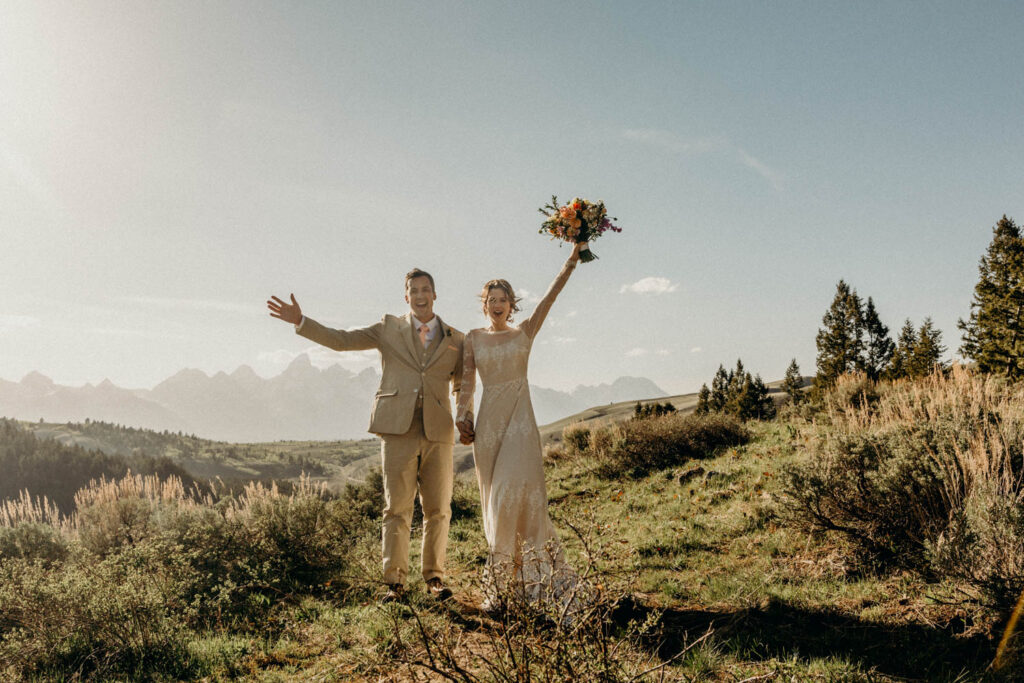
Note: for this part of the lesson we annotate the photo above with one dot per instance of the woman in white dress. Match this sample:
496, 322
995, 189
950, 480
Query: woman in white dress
524, 550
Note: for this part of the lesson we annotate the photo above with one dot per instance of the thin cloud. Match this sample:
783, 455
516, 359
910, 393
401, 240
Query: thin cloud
674, 144
564, 340
650, 285
636, 352
696, 349
761, 168
663, 352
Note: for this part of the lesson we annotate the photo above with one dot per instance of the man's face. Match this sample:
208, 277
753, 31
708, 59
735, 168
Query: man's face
420, 297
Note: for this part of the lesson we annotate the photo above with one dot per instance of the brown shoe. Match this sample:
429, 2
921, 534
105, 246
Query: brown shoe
437, 589
396, 593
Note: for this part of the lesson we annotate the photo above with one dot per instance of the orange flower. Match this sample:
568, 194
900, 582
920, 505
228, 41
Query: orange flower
567, 212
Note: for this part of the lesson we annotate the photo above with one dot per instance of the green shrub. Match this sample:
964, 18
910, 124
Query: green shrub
576, 438
927, 476
638, 447
244, 554
114, 618
880, 490
303, 538
850, 392
33, 541
367, 498
984, 546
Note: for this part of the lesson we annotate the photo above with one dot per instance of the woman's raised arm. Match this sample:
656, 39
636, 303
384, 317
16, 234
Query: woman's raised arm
532, 324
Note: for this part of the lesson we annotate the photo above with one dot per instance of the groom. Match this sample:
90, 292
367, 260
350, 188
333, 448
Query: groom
420, 358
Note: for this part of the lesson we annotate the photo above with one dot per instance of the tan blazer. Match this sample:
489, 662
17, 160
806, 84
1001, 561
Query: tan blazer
408, 372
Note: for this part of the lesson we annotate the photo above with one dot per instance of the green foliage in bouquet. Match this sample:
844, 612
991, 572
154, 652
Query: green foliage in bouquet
578, 221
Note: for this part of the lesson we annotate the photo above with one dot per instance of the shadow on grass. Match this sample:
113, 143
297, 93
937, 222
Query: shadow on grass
784, 631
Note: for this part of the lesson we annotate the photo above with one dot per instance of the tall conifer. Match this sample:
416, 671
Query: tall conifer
878, 346
903, 356
927, 352
993, 335
841, 342
719, 390
703, 401
793, 382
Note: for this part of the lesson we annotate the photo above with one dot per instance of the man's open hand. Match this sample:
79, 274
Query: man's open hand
290, 313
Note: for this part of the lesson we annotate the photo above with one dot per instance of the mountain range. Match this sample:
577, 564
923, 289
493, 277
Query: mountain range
301, 403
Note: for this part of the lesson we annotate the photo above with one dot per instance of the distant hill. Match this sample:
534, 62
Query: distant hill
550, 405
301, 403
204, 459
56, 470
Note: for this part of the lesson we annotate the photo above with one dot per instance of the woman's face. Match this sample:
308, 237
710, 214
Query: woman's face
497, 306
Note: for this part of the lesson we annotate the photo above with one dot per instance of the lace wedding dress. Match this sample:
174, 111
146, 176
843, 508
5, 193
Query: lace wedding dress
524, 550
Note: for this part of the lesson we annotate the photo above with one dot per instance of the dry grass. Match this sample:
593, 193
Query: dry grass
27, 508
925, 474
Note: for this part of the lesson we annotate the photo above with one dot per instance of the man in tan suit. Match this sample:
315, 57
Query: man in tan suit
420, 358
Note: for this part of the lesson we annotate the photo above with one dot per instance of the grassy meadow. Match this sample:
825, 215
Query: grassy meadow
870, 535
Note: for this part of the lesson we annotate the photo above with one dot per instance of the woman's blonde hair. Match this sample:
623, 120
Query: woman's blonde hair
504, 286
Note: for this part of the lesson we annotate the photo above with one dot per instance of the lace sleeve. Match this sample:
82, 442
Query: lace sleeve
531, 326
464, 408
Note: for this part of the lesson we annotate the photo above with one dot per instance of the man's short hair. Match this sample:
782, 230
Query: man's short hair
416, 272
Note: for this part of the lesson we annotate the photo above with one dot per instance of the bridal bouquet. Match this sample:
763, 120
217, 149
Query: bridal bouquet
577, 221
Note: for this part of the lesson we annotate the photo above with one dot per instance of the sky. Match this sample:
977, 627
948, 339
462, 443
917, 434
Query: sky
167, 166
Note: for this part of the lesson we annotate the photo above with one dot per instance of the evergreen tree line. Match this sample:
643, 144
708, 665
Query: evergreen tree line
737, 393
854, 339
136, 439
642, 411
49, 468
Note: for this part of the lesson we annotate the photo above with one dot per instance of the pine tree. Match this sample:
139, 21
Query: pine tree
703, 401
928, 350
841, 342
902, 357
719, 390
734, 394
757, 404
878, 347
993, 335
793, 383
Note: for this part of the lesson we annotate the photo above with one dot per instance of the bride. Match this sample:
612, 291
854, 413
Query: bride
524, 552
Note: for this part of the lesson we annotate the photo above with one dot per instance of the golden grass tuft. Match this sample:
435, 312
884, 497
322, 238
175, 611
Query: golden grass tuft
27, 508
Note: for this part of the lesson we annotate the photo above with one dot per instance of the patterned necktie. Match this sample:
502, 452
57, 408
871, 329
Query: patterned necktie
423, 335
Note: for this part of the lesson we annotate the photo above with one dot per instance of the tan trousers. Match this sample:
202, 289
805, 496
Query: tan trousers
407, 460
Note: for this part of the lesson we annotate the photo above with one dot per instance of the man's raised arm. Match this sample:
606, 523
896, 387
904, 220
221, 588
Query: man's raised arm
339, 340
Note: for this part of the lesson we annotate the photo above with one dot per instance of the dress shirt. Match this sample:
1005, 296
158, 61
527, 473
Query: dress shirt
432, 327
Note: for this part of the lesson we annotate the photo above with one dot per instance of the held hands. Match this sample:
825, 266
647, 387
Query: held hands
466, 433
290, 313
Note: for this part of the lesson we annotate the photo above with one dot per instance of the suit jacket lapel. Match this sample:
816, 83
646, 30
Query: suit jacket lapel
442, 342
408, 332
